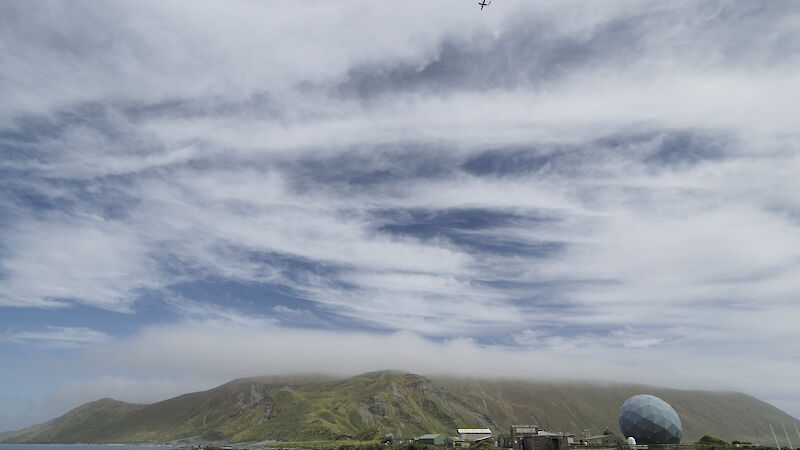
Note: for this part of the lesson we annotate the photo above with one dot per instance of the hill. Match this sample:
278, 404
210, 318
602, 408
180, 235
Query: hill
370, 405
578, 406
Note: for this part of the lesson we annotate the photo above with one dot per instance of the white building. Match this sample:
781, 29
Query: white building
473, 434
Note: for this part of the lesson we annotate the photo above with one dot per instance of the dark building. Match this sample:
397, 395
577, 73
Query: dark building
545, 442
520, 431
516, 432
530, 437
603, 440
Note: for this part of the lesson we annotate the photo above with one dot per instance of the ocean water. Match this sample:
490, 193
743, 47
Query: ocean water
83, 447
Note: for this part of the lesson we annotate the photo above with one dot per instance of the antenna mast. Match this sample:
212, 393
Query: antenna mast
776, 437
787, 437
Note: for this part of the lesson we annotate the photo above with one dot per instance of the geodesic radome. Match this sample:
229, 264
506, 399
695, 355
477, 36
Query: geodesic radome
650, 420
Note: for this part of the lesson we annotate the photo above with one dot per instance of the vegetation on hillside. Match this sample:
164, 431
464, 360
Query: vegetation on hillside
362, 408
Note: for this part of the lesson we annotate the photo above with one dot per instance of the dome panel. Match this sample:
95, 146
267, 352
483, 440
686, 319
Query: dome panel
650, 420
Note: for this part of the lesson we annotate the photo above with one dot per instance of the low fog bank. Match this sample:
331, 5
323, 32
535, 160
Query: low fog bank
163, 362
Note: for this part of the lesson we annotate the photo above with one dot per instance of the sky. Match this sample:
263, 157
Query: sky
192, 192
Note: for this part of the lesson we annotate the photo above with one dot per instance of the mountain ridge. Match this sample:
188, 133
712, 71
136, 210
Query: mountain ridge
366, 406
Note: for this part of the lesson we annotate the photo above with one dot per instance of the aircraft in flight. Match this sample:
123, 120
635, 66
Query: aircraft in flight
483, 3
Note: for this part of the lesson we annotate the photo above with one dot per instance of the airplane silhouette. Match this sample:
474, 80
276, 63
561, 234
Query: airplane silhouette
483, 3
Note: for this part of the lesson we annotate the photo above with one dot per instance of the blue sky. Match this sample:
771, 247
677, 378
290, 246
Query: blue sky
194, 193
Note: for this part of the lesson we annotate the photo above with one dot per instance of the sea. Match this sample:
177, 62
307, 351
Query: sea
84, 447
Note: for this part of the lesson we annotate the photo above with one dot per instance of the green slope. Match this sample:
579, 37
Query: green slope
370, 405
96, 421
578, 406
5, 434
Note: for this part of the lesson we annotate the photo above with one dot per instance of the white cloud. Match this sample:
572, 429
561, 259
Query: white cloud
86, 260
261, 144
222, 352
59, 337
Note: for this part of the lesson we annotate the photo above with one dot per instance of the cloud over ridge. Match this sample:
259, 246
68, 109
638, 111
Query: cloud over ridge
569, 179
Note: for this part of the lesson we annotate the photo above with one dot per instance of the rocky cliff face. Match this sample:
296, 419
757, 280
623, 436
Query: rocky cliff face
370, 405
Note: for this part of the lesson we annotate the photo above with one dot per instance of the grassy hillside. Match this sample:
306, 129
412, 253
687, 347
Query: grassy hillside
578, 406
370, 405
96, 421
5, 434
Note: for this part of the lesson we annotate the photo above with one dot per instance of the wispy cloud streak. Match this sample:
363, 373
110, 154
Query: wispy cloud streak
585, 178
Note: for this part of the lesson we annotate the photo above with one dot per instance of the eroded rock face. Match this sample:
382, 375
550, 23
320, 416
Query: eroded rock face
258, 392
377, 406
484, 420
650, 420
267, 412
258, 397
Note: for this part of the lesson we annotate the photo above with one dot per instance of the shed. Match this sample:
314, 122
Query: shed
431, 439
455, 442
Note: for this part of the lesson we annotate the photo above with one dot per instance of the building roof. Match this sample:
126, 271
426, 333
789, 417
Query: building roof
429, 436
474, 431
